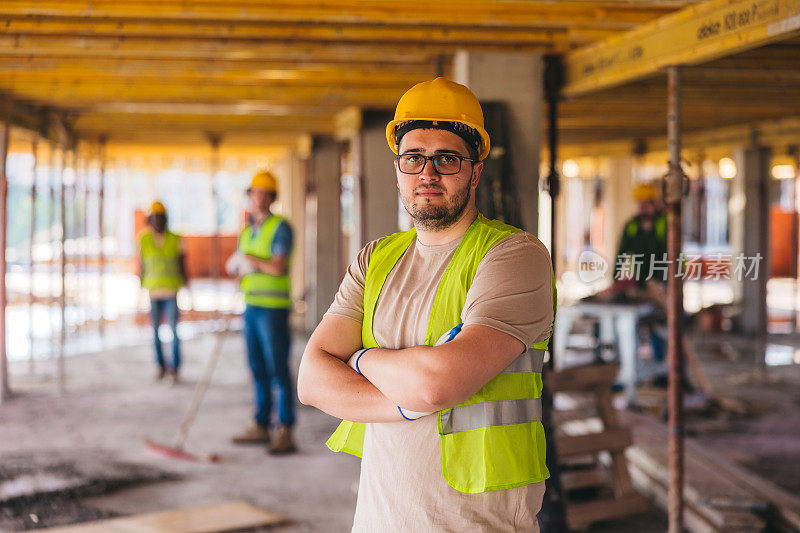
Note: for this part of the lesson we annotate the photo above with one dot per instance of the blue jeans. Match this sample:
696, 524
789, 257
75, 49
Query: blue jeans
158, 309
266, 333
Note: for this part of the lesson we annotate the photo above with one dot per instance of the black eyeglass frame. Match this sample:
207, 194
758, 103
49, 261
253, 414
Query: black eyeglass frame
431, 158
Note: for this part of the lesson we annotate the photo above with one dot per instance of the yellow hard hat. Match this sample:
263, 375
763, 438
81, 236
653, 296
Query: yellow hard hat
644, 192
157, 208
264, 179
444, 100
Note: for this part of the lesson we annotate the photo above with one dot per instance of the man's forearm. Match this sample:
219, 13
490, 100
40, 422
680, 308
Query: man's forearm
276, 266
327, 383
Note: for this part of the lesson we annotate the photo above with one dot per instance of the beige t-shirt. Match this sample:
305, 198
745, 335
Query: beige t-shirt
401, 486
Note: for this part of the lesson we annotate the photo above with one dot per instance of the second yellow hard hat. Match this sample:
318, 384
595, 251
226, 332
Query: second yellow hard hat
644, 192
157, 208
264, 179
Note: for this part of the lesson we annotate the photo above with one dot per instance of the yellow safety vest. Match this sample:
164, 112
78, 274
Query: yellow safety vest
161, 263
260, 289
495, 439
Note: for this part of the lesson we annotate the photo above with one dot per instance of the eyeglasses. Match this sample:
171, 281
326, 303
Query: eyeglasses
443, 164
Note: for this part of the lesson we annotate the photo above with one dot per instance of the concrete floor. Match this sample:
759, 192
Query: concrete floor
112, 405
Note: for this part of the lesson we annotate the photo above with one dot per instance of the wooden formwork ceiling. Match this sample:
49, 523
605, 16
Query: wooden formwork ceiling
746, 88
250, 70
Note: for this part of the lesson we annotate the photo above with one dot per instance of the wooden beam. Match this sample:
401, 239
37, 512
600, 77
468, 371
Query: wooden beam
78, 93
414, 13
696, 34
265, 68
214, 48
336, 77
292, 31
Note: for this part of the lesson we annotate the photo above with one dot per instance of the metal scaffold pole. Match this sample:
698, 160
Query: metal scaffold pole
101, 258
553, 515
5, 134
62, 297
51, 238
216, 252
31, 264
673, 193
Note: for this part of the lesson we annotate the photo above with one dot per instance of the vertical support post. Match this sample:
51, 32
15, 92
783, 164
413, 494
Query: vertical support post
101, 257
674, 191
84, 275
62, 297
794, 151
31, 265
51, 237
216, 252
5, 134
553, 516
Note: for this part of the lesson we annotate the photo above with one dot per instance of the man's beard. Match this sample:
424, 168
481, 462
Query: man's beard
437, 218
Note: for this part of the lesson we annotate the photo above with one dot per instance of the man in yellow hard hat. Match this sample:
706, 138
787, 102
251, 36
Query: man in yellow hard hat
432, 349
640, 265
162, 272
644, 239
262, 262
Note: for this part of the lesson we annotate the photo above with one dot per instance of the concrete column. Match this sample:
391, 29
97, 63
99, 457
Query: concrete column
322, 228
619, 204
379, 192
749, 212
291, 173
515, 80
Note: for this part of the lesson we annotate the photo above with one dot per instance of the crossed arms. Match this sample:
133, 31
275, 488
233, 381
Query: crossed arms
419, 378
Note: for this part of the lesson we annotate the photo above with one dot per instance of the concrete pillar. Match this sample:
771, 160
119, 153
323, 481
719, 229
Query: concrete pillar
515, 80
619, 204
379, 193
322, 228
291, 173
749, 234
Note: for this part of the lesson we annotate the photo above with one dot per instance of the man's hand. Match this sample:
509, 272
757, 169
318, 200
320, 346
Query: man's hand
278, 265
326, 382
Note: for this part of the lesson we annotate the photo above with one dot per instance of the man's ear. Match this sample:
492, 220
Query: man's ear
476, 173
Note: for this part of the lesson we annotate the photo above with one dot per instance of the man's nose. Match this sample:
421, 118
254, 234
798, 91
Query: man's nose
429, 172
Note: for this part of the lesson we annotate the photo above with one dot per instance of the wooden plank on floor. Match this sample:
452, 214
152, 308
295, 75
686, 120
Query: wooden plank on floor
219, 518
610, 440
584, 377
580, 515
704, 479
581, 479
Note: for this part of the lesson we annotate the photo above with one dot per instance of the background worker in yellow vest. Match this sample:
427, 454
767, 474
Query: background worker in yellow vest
162, 272
262, 262
436, 455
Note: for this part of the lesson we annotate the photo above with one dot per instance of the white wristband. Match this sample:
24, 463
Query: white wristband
412, 415
353, 361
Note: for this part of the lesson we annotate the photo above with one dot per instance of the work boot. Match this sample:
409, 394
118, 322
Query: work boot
160, 373
282, 444
254, 434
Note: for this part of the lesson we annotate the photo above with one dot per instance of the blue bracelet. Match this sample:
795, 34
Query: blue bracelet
358, 358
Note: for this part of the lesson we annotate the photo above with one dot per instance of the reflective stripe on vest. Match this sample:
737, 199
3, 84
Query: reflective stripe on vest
531, 360
261, 289
160, 264
492, 413
494, 440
